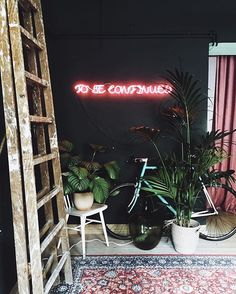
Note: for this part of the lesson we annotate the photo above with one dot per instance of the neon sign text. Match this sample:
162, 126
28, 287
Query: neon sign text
122, 89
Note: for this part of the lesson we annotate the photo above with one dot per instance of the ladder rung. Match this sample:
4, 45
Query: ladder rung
26, 4
56, 272
48, 265
51, 235
43, 158
40, 119
30, 40
36, 80
45, 228
42, 192
48, 196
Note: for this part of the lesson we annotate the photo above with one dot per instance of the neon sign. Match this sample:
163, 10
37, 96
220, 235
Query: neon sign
122, 89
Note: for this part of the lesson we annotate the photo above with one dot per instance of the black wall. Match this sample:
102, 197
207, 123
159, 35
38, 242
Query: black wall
78, 50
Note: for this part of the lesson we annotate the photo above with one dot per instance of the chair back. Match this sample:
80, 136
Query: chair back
68, 201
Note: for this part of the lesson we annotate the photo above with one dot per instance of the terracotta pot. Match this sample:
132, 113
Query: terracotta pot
83, 201
185, 239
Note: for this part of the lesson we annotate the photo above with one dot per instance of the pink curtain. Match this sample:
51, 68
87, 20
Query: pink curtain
225, 118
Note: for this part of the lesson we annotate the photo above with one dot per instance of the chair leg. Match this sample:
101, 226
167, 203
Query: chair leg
82, 223
104, 227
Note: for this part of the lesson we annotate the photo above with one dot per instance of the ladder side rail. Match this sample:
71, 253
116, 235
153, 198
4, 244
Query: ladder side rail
15, 176
53, 137
44, 172
26, 148
36, 94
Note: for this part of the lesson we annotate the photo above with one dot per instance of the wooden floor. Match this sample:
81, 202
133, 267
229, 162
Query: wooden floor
95, 246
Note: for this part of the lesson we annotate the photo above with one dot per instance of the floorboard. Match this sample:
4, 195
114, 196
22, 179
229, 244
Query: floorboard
95, 246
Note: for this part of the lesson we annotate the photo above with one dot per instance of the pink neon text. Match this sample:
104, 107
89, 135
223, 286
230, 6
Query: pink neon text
118, 89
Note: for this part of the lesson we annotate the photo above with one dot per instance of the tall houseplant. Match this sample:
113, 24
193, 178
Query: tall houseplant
86, 175
180, 171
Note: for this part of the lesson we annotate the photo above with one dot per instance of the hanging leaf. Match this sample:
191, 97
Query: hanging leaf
98, 148
65, 145
91, 166
100, 188
64, 159
112, 169
74, 160
66, 186
80, 172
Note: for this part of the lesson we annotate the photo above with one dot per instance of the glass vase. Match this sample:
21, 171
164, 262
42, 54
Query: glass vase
146, 225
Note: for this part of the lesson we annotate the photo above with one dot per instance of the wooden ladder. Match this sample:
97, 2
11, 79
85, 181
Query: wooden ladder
34, 165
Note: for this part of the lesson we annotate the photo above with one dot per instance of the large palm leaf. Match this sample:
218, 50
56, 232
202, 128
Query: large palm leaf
185, 90
179, 178
187, 99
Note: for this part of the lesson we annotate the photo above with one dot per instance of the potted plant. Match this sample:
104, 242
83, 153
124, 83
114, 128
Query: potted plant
180, 171
88, 180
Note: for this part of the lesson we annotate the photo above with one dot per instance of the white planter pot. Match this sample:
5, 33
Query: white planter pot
83, 201
185, 240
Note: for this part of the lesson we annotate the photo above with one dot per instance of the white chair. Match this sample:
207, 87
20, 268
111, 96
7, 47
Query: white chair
95, 209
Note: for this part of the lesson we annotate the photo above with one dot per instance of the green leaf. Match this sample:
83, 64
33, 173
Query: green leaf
112, 169
100, 188
74, 160
65, 159
65, 145
66, 186
79, 172
91, 166
98, 148
78, 185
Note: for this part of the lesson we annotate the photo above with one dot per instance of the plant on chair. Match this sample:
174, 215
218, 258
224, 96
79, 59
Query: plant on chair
82, 176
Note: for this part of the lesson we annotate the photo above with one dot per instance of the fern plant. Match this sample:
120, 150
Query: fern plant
86, 176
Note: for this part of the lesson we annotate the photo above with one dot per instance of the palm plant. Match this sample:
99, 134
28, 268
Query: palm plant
86, 176
178, 176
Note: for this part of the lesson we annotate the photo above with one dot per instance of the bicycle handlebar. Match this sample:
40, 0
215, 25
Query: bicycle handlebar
140, 159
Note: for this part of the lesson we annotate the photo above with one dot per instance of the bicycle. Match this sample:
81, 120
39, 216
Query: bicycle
123, 198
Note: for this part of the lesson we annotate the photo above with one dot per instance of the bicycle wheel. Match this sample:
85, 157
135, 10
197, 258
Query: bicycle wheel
116, 215
222, 225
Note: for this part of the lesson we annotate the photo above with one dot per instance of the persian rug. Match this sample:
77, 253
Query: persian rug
152, 274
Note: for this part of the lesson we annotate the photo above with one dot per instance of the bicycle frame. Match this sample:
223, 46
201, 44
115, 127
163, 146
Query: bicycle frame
138, 185
138, 182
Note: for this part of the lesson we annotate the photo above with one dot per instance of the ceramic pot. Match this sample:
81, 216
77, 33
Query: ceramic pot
185, 239
83, 201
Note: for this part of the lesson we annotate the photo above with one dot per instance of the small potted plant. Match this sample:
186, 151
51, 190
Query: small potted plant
88, 180
180, 171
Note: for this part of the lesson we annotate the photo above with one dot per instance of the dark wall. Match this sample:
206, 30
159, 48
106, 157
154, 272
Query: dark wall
107, 120
76, 52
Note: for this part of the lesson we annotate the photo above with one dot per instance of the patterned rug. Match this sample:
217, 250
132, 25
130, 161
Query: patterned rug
152, 275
